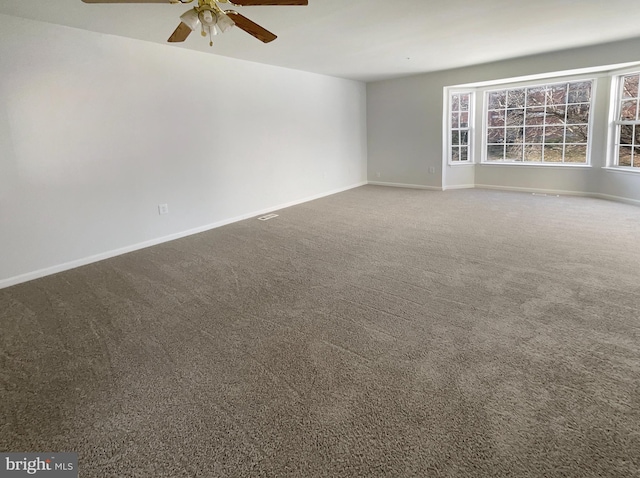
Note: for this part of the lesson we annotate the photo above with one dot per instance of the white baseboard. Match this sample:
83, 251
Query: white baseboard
459, 186
561, 192
558, 192
4, 283
608, 197
532, 190
405, 185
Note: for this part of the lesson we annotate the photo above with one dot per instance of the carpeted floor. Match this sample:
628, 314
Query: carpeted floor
377, 332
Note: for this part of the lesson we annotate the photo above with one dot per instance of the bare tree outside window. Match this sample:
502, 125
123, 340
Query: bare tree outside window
539, 124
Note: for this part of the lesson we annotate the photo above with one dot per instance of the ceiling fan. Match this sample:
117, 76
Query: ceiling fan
212, 19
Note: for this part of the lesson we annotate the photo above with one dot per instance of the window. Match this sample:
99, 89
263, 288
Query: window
539, 124
627, 122
460, 115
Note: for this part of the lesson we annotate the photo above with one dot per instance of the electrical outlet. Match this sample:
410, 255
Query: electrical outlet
163, 209
432, 170
378, 174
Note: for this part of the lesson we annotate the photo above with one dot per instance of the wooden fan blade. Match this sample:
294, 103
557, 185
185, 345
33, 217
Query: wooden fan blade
270, 2
180, 34
250, 27
128, 1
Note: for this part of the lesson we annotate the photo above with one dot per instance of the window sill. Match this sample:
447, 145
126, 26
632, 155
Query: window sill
462, 163
539, 165
618, 169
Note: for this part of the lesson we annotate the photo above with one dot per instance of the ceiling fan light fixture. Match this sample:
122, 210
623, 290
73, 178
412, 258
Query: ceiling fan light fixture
207, 17
190, 19
224, 22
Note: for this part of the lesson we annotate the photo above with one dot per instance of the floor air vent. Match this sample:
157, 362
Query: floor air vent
267, 217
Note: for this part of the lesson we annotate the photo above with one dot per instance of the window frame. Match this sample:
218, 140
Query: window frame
615, 105
539, 82
470, 128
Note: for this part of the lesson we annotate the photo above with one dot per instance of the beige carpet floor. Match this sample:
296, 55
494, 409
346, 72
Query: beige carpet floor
376, 332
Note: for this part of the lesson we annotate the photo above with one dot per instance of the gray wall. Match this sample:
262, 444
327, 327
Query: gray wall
96, 131
405, 140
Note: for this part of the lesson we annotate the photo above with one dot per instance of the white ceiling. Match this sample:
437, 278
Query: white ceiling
368, 40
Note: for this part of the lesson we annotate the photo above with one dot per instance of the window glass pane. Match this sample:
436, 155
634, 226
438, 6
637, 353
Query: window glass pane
554, 134
533, 153
464, 138
464, 102
515, 117
464, 120
628, 110
455, 154
630, 86
495, 135
624, 158
455, 102
497, 100
455, 138
553, 154
495, 153
626, 134
535, 96
534, 116
575, 153
515, 98
514, 135
577, 114
555, 115
534, 134
577, 134
580, 92
463, 154
513, 152
496, 118
557, 94
455, 120
636, 157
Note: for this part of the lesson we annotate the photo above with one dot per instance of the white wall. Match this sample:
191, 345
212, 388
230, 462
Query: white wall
97, 130
404, 118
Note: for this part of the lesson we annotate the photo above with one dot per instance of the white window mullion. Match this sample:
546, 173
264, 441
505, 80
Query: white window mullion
544, 123
566, 120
